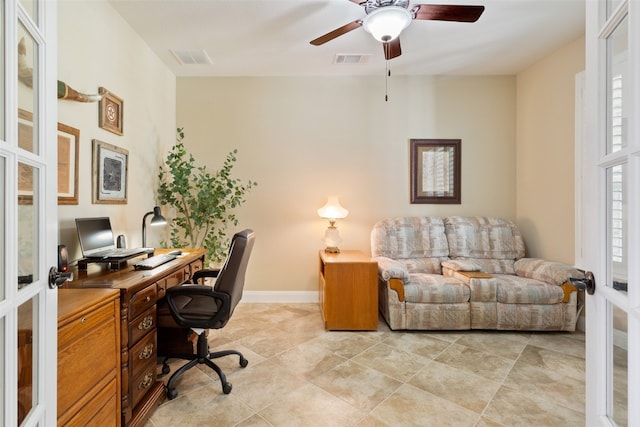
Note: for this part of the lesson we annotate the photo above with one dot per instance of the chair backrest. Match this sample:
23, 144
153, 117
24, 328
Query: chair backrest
231, 277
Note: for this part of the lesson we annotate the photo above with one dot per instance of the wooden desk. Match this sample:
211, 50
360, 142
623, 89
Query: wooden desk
139, 291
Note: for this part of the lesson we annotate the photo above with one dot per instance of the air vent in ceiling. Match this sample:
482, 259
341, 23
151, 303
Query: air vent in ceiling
192, 57
343, 58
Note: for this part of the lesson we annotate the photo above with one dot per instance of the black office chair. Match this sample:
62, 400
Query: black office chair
204, 307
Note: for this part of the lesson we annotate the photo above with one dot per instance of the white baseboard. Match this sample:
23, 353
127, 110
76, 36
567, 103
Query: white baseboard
280, 296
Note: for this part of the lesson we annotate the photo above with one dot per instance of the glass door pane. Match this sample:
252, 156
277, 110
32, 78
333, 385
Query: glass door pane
27, 357
618, 226
3, 78
3, 242
617, 90
28, 77
618, 365
31, 8
28, 239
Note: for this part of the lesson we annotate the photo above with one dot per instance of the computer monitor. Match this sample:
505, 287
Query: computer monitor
95, 235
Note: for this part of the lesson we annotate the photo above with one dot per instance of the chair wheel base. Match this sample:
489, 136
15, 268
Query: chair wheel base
243, 362
226, 388
172, 393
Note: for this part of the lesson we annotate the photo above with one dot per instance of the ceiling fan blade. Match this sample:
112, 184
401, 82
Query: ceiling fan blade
336, 33
447, 12
392, 49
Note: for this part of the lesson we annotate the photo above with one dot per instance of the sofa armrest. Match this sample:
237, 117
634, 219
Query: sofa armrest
391, 269
555, 273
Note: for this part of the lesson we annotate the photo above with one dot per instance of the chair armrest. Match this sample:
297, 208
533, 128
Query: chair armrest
181, 298
205, 273
391, 269
555, 273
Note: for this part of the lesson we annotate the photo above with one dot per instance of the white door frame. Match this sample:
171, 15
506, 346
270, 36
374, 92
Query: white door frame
595, 239
41, 25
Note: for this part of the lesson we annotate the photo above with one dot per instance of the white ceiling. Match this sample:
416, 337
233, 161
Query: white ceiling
271, 37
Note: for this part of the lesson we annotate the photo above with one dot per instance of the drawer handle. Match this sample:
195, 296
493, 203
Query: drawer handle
84, 321
146, 352
147, 299
146, 323
146, 382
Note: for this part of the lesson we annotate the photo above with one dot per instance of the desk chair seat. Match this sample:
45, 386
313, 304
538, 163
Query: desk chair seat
192, 306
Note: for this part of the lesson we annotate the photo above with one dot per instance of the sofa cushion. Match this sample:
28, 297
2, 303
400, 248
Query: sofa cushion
483, 238
409, 237
512, 289
423, 265
435, 288
492, 266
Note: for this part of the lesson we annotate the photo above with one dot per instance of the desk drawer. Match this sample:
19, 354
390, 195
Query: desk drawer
175, 279
142, 300
87, 361
101, 411
195, 266
81, 326
142, 352
142, 382
141, 325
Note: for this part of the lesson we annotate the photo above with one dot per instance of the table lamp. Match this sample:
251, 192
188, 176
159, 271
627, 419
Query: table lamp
332, 211
157, 219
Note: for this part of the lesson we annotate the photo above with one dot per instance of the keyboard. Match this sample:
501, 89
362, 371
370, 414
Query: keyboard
153, 262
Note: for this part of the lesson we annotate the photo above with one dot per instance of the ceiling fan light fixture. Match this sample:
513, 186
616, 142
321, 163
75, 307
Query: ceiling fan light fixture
386, 23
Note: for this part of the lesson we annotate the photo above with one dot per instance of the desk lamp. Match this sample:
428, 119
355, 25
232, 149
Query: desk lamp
157, 219
332, 211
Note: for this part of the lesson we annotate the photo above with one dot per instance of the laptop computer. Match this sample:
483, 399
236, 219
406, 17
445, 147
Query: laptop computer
96, 239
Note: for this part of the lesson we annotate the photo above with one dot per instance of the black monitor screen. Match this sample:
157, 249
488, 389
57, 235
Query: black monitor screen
94, 234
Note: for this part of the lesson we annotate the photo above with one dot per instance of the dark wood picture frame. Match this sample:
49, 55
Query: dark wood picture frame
111, 112
436, 171
68, 158
110, 169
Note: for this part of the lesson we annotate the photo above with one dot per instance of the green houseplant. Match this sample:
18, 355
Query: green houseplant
201, 203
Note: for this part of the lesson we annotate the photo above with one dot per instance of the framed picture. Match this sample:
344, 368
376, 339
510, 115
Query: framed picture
435, 171
68, 155
109, 181
110, 112
68, 149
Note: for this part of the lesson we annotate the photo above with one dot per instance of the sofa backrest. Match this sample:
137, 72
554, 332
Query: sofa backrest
493, 243
418, 242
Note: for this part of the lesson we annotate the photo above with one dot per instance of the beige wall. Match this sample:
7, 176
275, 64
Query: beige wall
545, 153
303, 139
98, 48
306, 138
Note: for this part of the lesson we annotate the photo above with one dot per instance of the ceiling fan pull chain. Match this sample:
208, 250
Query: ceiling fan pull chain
387, 74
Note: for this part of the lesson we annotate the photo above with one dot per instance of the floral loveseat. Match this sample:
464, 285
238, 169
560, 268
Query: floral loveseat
468, 273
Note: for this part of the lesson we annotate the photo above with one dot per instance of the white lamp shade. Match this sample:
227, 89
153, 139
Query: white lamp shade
386, 23
333, 209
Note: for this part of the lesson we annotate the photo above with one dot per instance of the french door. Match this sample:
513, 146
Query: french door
28, 212
610, 211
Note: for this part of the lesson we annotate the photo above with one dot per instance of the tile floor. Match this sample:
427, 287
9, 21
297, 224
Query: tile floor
301, 375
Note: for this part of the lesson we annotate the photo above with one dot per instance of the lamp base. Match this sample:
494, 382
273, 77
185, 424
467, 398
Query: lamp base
332, 250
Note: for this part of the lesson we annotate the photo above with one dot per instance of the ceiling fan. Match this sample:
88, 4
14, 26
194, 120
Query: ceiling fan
386, 19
